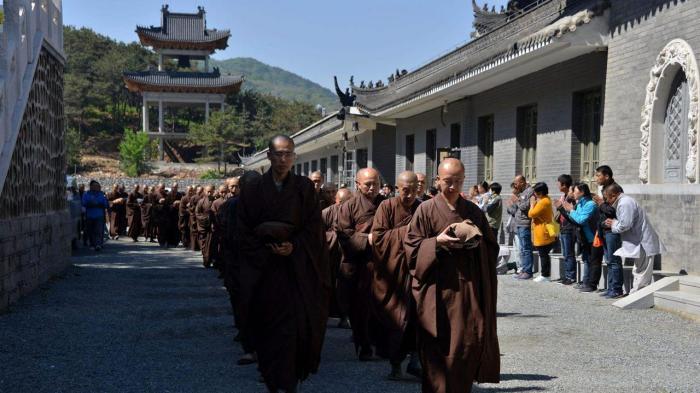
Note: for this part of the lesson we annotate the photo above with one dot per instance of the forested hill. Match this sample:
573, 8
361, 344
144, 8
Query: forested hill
267, 79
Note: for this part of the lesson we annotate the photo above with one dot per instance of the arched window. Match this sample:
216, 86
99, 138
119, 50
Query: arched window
675, 151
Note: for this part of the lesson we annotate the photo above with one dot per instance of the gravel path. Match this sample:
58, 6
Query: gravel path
137, 318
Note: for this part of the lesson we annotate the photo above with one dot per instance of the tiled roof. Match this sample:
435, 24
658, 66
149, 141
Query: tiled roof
183, 28
182, 80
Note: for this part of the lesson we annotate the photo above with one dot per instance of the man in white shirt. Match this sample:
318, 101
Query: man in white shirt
639, 239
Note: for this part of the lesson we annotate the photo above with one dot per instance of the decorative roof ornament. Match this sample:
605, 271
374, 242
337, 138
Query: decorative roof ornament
485, 20
347, 98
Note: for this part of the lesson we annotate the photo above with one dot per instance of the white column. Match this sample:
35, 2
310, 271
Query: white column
206, 63
144, 114
160, 115
206, 112
160, 62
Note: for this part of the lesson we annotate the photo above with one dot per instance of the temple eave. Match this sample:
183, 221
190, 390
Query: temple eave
136, 87
211, 46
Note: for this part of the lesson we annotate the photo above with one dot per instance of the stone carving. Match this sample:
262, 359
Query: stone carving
676, 52
35, 181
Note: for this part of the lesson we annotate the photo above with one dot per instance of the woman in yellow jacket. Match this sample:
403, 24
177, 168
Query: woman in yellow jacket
541, 214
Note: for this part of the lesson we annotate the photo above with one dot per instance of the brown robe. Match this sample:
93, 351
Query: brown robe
203, 217
285, 298
183, 221
217, 231
391, 277
194, 235
146, 216
172, 232
133, 215
354, 224
329, 216
455, 292
117, 213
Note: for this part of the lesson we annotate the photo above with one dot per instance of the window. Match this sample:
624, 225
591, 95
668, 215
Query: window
410, 150
314, 166
527, 139
324, 169
430, 152
485, 135
588, 110
334, 170
362, 159
455, 135
298, 171
675, 137
306, 169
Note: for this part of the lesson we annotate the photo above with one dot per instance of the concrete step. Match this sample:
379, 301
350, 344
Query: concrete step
690, 284
684, 303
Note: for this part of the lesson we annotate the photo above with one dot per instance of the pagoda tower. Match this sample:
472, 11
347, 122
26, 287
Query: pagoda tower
183, 44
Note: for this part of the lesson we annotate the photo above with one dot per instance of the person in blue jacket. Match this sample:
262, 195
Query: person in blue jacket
95, 204
584, 216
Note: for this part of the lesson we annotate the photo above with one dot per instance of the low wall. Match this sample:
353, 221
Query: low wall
32, 250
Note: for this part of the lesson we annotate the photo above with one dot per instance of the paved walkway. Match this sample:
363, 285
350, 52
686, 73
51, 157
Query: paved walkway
137, 318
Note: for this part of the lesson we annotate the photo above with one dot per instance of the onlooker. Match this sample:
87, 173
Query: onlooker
512, 230
493, 207
95, 204
583, 218
639, 239
568, 229
612, 240
520, 205
387, 191
541, 214
483, 194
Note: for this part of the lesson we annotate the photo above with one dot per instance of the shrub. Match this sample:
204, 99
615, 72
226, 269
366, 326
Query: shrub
133, 151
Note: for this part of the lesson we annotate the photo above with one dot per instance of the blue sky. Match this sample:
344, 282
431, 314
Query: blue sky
313, 38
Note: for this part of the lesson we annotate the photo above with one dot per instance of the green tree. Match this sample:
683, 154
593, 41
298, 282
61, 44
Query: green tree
73, 148
221, 136
134, 152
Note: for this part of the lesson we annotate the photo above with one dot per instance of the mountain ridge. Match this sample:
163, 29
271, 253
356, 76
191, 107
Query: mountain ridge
277, 81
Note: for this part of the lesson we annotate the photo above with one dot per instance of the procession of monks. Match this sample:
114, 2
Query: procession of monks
413, 276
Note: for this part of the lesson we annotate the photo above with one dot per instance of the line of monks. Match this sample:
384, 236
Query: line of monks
415, 276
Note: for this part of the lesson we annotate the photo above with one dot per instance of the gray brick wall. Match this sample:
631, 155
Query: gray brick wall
639, 31
552, 89
32, 250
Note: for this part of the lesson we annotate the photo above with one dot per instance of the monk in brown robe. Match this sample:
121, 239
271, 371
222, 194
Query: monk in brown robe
191, 206
354, 226
421, 192
330, 222
146, 210
117, 211
183, 217
454, 284
160, 214
217, 227
172, 202
391, 284
133, 213
203, 216
284, 258
316, 177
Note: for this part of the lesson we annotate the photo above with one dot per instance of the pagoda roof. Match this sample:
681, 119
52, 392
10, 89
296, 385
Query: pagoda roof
183, 31
183, 82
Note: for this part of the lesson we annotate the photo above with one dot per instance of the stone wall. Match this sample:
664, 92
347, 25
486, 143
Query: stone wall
32, 250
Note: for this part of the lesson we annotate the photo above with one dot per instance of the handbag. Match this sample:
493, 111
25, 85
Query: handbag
553, 228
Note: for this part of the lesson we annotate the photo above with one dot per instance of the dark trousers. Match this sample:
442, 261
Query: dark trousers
568, 242
596, 266
94, 228
545, 259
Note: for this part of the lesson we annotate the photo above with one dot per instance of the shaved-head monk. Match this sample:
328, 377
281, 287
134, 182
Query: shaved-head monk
203, 215
183, 221
454, 285
391, 278
218, 227
234, 186
133, 213
117, 211
324, 201
172, 204
283, 256
191, 206
146, 211
422, 189
330, 222
354, 227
